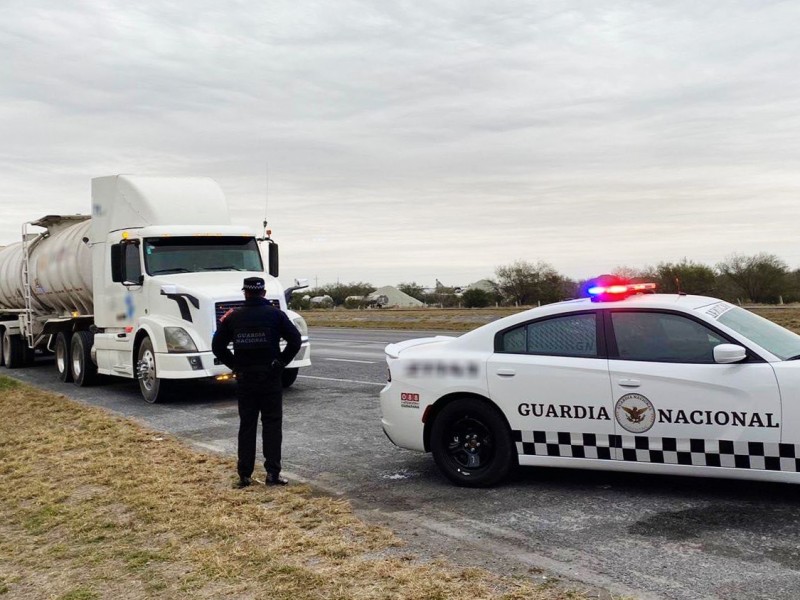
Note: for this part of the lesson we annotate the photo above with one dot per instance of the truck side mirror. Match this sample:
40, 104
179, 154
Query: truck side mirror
126, 267
272, 257
116, 263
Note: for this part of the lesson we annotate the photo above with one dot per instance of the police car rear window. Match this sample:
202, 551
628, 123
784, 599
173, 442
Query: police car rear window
569, 335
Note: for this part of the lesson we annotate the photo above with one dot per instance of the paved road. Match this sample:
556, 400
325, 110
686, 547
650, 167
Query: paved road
651, 537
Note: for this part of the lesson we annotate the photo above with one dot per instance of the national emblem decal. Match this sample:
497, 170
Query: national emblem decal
635, 413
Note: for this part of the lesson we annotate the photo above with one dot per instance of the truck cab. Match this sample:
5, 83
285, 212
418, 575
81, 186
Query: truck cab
167, 265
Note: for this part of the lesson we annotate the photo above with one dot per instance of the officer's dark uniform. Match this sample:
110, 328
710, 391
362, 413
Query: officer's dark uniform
256, 330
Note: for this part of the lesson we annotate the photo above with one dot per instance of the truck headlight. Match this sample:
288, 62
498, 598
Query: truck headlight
179, 340
301, 325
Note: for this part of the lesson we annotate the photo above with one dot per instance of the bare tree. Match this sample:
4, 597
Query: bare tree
761, 277
685, 276
528, 283
413, 289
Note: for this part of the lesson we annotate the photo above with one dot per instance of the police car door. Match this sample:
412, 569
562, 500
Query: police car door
673, 404
550, 378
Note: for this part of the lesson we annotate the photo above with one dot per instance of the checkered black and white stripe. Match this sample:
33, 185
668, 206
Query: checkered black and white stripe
671, 451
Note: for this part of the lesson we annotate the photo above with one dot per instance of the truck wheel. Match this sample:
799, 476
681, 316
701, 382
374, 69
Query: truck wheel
61, 351
471, 443
288, 377
83, 370
2, 354
153, 388
13, 350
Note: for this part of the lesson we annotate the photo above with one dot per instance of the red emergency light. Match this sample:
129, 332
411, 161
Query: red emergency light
609, 288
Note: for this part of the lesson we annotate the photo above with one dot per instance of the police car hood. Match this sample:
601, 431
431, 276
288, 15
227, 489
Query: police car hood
419, 345
218, 285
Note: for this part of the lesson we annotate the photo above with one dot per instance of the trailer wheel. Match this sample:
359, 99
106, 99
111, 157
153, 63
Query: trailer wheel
13, 350
288, 377
153, 388
63, 357
83, 370
2, 354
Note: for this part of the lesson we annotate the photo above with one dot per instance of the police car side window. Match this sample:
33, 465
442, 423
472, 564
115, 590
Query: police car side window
514, 340
663, 337
570, 335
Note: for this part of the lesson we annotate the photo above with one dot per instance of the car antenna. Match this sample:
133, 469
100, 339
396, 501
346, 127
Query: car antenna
678, 286
266, 233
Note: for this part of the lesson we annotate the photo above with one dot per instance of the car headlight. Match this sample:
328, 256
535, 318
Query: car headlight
179, 340
301, 325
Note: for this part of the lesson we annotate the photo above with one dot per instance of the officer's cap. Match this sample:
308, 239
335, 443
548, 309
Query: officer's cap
253, 284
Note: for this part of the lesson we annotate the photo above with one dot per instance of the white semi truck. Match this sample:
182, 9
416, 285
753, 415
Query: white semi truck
137, 289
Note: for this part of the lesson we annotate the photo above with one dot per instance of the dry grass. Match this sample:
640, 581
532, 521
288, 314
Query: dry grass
437, 319
461, 319
93, 506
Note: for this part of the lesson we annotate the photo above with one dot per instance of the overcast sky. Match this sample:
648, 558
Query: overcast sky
421, 140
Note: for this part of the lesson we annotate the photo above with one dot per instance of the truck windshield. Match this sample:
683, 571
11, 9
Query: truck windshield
199, 254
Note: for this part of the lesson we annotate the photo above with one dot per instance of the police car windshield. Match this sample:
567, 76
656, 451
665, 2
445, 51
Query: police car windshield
195, 254
779, 341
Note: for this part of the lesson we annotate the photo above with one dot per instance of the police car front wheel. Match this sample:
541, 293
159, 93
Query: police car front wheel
471, 443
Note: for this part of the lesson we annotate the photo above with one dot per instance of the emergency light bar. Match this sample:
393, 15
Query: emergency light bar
617, 291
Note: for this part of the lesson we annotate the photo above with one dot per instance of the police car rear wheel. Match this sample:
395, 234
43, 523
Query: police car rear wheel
471, 443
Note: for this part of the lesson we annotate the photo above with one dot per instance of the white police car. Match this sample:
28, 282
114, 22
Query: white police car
623, 381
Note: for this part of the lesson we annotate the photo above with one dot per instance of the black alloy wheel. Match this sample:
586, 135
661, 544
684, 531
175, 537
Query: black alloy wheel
471, 443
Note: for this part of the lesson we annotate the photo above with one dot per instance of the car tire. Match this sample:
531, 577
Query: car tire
62, 355
82, 368
288, 377
13, 350
153, 388
471, 443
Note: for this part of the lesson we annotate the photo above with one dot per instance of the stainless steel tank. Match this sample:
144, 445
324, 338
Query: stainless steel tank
60, 268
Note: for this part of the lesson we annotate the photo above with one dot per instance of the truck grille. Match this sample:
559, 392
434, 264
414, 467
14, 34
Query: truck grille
220, 308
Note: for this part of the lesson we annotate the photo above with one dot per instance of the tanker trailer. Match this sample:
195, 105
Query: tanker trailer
52, 287
137, 290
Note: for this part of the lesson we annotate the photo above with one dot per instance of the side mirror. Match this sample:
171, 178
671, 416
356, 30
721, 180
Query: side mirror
273, 258
139, 281
729, 353
299, 284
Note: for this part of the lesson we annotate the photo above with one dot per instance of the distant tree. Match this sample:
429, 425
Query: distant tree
476, 298
792, 287
529, 283
631, 273
760, 278
413, 289
685, 276
443, 296
300, 301
340, 291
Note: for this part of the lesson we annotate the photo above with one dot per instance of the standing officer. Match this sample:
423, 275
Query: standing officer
256, 330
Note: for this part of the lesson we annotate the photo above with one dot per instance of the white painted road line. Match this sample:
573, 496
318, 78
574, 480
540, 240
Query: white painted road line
365, 362
343, 380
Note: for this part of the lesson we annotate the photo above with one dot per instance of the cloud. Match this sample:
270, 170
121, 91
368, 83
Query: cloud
422, 140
